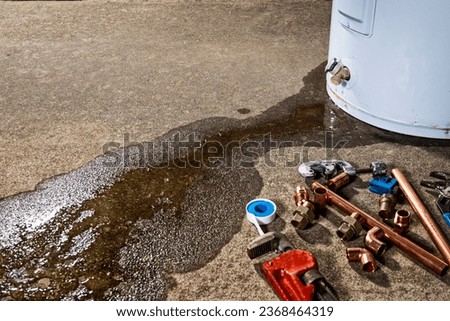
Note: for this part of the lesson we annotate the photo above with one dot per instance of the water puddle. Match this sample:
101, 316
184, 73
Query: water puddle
116, 233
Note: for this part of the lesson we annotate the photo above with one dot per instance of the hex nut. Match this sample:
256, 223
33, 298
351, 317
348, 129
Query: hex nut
354, 223
349, 228
302, 217
299, 220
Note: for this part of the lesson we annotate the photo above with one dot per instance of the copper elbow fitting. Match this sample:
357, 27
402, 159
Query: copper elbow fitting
355, 254
401, 221
320, 197
373, 243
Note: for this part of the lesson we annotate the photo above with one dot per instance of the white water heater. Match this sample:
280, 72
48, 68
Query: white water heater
389, 64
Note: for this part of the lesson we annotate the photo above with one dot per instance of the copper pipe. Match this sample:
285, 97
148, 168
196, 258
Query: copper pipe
411, 249
401, 221
373, 243
338, 181
368, 262
425, 217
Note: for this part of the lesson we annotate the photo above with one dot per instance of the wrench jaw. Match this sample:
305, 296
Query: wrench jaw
284, 272
269, 242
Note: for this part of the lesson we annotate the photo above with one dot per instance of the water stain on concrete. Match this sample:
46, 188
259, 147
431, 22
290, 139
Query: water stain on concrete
243, 111
115, 228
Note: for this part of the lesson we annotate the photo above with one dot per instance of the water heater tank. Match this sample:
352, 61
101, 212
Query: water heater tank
389, 64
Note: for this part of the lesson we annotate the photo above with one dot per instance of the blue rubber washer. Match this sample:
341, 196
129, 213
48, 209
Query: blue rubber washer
263, 209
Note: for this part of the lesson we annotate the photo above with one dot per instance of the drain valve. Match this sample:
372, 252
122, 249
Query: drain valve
341, 75
338, 71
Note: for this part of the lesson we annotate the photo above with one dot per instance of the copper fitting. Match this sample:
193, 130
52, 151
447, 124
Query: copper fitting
338, 181
355, 254
401, 221
408, 247
305, 213
320, 196
300, 195
373, 243
350, 227
425, 217
387, 205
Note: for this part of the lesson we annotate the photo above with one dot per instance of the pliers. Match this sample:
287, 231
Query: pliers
442, 186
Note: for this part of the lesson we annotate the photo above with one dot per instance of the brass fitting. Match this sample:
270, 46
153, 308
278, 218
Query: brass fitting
304, 215
387, 206
341, 75
355, 254
373, 243
300, 195
338, 181
350, 227
401, 221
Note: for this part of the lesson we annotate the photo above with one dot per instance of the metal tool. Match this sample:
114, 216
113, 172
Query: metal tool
283, 274
283, 271
268, 242
294, 276
324, 290
325, 168
376, 169
442, 187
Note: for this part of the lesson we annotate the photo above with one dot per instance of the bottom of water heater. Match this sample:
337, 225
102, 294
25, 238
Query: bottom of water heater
388, 124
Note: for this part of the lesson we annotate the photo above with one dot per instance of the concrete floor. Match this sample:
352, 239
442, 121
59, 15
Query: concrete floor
79, 75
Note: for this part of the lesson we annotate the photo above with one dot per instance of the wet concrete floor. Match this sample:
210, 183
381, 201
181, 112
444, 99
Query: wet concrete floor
151, 211
163, 219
